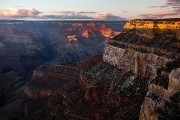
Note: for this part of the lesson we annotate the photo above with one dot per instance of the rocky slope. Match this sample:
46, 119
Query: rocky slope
93, 93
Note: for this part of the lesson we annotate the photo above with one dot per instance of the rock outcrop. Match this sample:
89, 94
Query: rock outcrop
157, 96
149, 48
144, 64
174, 81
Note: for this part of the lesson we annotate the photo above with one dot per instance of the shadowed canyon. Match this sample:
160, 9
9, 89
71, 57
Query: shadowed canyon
80, 70
26, 45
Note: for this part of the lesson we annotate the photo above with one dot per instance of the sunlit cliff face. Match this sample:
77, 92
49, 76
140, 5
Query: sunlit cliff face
72, 38
88, 30
85, 34
153, 26
108, 32
105, 31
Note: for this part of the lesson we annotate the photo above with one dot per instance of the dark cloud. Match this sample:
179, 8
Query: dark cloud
162, 14
176, 7
173, 2
19, 13
72, 16
169, 3
173, 11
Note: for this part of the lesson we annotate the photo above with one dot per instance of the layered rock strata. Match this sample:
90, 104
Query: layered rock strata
136, 78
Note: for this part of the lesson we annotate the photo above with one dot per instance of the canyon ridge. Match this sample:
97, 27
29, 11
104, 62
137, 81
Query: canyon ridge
133, 73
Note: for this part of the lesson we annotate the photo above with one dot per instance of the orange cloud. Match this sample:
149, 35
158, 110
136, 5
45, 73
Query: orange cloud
19, 12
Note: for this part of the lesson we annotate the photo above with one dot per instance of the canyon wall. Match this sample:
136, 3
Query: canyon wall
130, 60
150, 48
138, 73
157, 97
150, 28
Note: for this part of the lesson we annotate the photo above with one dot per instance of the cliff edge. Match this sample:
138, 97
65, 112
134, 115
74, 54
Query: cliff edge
151, 48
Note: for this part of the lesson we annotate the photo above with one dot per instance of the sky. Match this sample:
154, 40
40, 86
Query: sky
116, 10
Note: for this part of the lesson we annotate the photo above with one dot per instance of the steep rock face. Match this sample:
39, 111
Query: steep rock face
157, 96
149, 48
131, 60
174, 81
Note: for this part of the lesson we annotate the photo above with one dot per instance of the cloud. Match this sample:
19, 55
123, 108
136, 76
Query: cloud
83, 15
108, 16
86, 12
58, 15
172, 11
68, 15
66, 12
16, 13
72, 16
162, 14
73, 12
162, 6
173, 2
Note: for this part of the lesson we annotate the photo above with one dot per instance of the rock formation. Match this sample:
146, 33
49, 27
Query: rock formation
150, 48
136, 78
26, 45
